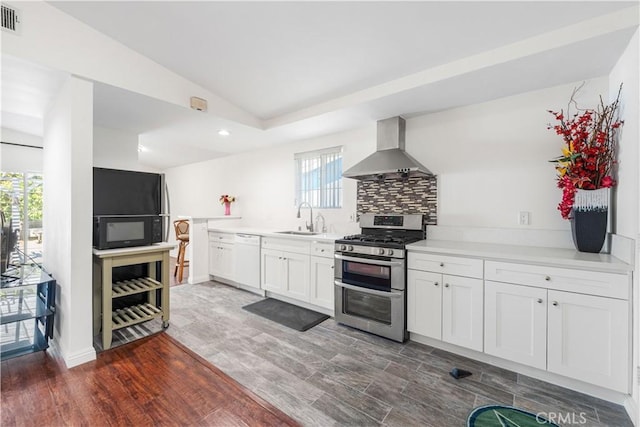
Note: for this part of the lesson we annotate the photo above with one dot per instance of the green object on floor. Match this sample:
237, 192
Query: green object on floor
506, 416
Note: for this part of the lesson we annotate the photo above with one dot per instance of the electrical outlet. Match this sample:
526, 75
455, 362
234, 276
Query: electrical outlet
524, 218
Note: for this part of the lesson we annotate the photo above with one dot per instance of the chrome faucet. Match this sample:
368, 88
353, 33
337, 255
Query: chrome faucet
324, 223
309, 226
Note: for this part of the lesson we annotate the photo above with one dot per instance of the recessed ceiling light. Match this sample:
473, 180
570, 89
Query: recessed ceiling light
224, 132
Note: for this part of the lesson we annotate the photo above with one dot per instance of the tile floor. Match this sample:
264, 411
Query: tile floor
334, 375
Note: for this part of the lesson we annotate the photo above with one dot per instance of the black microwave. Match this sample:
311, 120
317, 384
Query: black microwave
123, 231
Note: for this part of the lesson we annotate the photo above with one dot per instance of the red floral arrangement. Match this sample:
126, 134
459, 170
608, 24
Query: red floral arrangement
225, 198
589, 150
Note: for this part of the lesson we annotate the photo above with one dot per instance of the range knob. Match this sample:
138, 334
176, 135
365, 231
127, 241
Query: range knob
390, 252
381, 251
343, 247
350, 248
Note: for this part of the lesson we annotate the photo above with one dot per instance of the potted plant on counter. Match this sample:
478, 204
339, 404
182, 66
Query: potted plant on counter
585, 168
226, 200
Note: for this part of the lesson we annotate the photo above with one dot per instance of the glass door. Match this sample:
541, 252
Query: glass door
21, 204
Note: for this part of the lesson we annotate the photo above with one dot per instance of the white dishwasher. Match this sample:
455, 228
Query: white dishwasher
247, 260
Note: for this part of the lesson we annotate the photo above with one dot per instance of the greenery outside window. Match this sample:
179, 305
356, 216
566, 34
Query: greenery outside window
21, 203
319, 178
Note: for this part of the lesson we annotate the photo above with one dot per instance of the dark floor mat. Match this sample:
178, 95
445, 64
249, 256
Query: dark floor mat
286, 314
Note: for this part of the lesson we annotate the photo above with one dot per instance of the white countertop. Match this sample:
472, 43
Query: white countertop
324, 237
527, 254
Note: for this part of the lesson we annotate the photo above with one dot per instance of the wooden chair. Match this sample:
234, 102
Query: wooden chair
181, 227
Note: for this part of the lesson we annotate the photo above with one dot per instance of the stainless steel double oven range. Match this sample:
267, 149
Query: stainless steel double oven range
370, 274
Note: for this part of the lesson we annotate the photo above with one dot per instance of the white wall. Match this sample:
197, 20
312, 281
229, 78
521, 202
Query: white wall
20, 159
116, 149
67, 214
492, 158
626, 194
54, 39
263, 182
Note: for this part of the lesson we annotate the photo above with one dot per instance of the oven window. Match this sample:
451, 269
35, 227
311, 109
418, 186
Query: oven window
367, 275
369, 270
367, 306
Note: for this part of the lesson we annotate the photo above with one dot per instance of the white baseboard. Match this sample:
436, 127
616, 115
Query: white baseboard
582, 387
78, 358
198, 279
631, 406
251, 289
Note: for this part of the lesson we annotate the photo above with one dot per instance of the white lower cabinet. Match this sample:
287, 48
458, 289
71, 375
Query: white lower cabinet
568, 321
296, 276
445, 307
588, 339
321, 282
271, 270
585, 337
286, 273
221, 260
424, 303
462, 311
321, 287
516, 323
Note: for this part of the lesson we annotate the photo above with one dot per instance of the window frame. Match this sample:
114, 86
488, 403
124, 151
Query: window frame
330, 194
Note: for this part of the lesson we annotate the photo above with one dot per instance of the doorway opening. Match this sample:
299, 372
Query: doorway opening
21, 204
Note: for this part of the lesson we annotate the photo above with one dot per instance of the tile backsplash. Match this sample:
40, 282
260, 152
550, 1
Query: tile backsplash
415, 195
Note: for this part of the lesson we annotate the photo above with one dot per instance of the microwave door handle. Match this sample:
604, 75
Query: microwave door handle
368, 261
368, 291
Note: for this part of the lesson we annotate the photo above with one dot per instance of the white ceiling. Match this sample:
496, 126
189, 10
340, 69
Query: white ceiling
311, 68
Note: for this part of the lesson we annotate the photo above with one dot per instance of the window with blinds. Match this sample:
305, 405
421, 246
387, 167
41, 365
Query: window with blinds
319, 178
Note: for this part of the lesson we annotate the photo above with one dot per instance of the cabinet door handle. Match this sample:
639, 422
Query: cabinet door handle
555, 303
442, 264
435, 283
279, 257
332, 267
321, 250
446, 285
539, 300
547, 278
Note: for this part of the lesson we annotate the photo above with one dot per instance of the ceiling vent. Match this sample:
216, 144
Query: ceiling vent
10, 19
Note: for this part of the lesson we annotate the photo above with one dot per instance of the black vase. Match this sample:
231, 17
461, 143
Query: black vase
589, 229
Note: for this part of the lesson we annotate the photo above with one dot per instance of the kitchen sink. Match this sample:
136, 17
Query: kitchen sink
298, 233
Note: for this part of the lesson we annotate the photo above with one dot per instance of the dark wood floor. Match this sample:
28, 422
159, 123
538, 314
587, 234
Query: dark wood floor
153, 381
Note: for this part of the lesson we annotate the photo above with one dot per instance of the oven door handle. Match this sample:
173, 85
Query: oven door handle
368, 261
368, 291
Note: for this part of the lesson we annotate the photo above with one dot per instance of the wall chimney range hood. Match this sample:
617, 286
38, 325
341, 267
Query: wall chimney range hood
390, 160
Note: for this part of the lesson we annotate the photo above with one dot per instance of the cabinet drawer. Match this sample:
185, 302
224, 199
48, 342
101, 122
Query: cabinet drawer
456, 266
585, 282
322, 249
221, 237
287, 245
